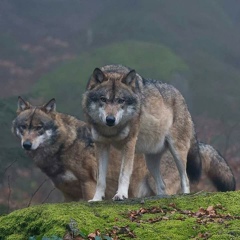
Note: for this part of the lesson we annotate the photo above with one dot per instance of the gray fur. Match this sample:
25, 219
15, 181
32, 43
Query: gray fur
157, 120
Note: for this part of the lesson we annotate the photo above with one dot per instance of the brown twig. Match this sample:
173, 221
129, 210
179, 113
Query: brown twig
9, 193
48, 195
9, 166
34, 193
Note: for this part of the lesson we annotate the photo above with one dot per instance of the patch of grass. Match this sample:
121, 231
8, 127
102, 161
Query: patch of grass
51, 219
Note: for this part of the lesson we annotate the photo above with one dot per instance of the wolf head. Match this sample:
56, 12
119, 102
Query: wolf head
34, 124
112, 96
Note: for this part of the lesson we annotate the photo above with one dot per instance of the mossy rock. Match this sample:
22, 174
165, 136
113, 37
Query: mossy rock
177, 217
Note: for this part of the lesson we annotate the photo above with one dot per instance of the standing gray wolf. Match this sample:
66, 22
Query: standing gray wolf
67, 156
136, 114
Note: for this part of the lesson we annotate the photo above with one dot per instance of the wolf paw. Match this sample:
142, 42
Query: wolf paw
96, 199
93, 200
119, 197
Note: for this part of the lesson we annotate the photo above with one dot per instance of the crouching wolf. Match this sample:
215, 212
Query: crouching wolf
61, 146
136, 114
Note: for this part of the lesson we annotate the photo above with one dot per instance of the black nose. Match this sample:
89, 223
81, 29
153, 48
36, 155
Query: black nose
110, 120
27, 145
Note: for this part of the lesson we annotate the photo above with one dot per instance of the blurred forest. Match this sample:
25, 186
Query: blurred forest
50, 47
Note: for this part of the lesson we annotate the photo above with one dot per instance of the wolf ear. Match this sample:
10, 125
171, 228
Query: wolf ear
22, 105
50, 106
129, 78
98, 75
96, 78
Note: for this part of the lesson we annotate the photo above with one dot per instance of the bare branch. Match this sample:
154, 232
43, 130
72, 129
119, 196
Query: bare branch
48, 195
9, 166
34, 193
9, 193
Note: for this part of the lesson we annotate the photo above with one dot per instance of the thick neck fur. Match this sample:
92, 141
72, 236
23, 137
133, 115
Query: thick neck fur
44, 157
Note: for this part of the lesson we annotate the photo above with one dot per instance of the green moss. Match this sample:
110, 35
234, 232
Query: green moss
51, 219
15, 236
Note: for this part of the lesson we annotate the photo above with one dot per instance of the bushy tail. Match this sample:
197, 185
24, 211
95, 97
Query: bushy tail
216, 168
194, 163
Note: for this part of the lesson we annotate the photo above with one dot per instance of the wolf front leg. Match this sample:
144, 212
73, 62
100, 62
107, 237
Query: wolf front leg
128, 152
102, 154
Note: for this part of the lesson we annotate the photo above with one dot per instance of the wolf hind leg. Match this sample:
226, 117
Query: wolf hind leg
153, 165
102, 157
146, 187
179, 156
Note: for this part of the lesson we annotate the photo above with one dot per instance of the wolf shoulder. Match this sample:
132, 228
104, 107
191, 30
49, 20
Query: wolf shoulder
167, 92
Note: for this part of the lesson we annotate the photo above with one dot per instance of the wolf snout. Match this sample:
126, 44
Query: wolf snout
110, 120
27, 145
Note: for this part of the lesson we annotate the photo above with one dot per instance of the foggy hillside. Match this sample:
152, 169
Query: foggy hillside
49, 49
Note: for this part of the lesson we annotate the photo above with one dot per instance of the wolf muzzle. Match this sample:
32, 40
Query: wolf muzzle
27, 145
110, 121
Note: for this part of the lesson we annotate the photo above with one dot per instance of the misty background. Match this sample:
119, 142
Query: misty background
49, 48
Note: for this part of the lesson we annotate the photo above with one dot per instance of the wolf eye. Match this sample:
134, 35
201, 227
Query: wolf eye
120, 100
103, 99
23, 127
39, 128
